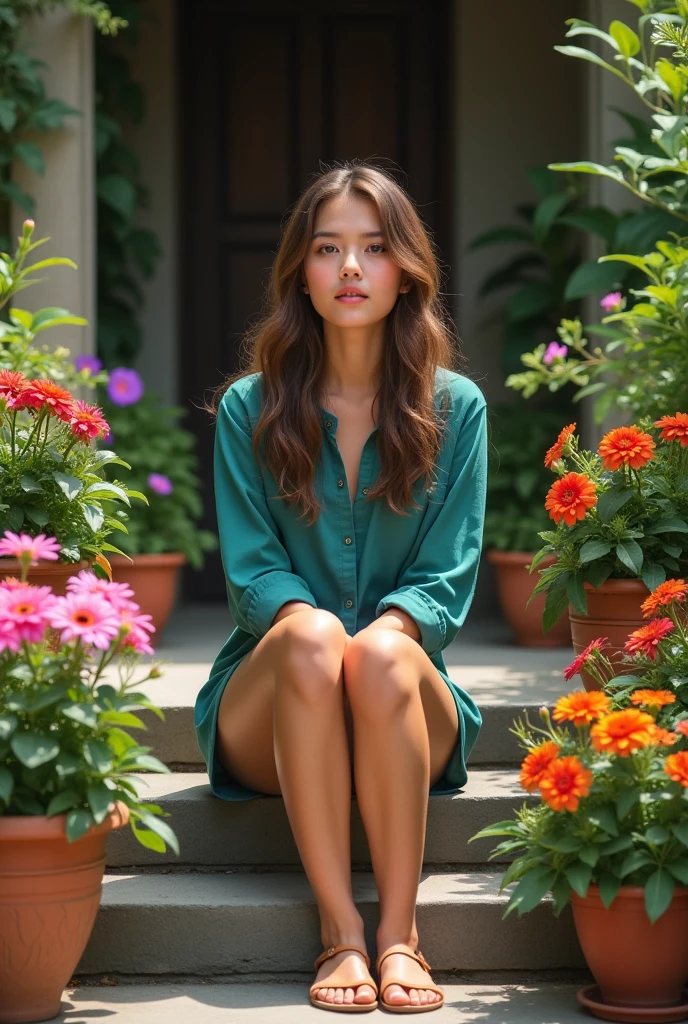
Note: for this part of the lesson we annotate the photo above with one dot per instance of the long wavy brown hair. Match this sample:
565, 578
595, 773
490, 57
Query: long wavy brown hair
287, 346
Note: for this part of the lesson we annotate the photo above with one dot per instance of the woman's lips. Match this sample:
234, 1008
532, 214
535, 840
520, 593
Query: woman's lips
351, 300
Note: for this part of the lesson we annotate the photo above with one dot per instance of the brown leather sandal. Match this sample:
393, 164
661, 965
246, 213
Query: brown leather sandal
404, 983
336, 981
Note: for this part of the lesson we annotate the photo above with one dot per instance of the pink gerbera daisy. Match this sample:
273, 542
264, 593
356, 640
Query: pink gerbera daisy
24, 614
118, 594
22, 544
136, 636
88, 616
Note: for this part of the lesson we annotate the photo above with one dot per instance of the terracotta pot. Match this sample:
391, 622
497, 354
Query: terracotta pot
514, 586
614, 612
45, 574
636, 964
153, 578
50, 891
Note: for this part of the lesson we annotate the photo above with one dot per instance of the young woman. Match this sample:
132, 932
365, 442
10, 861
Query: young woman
350, 473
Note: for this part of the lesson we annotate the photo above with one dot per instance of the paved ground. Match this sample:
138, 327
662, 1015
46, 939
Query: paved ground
288, 1004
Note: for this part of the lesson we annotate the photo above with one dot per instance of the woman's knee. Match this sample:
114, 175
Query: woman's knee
311, 650
377, 679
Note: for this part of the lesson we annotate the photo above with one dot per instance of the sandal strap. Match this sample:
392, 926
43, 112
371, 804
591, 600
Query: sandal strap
327, 954
407, 951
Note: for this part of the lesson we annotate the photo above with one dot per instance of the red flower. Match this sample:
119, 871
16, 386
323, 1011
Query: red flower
40, 393
556, 451
12, 387
87, 421
674, 428
579, 661
646, 639
570, 497
626, 446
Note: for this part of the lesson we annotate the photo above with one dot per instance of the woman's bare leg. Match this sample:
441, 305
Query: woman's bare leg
281, 729
405, 729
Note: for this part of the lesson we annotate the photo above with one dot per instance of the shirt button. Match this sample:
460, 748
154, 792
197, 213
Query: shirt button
328, 423
347, 540
348, 603
340, 483
365, 490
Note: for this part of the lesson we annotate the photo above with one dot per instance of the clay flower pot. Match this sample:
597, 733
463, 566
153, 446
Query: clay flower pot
514, 586
153, 578
45, 574
614, 612
640, 968
49, 896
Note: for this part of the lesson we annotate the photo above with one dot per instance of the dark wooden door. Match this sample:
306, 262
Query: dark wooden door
269, 90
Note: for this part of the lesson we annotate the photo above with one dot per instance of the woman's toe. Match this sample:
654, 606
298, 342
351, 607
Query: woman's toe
364, 994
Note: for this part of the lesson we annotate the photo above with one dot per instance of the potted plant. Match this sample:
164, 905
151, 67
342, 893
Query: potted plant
67, 766
514, 518
162, 535
608, 832
621, 526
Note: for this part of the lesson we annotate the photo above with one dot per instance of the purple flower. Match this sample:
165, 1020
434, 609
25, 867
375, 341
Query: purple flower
124, 386
611, 303
87, 362
160, 484
109, 437
554, 350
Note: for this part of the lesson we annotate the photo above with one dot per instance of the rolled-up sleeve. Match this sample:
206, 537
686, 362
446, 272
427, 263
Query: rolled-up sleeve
437, 588
257, 568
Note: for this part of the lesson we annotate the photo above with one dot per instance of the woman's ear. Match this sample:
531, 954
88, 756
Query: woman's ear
405, 287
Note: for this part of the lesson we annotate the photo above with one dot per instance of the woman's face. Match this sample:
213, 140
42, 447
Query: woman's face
348, 250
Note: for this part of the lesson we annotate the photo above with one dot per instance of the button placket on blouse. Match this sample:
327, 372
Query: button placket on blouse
347, 508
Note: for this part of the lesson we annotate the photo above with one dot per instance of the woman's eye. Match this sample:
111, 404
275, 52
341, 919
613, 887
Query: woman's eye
379, 245
328, 245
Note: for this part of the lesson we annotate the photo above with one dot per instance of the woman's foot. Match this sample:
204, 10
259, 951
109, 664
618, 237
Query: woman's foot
356, 968
415, 993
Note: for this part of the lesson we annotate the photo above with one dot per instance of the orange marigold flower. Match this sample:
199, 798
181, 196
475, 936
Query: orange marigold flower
570, 497
682, 727
622, 732
676, 767
556, 451
665, 593
653, 698
40, 393
564, 782
579, 661
627, 446
674, 428
87, 421
536, 763
646, 639
663, 737
581, 707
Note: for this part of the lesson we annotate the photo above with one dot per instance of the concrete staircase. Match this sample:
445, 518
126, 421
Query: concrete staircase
235, 908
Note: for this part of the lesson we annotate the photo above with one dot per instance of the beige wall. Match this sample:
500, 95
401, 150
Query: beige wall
519, 104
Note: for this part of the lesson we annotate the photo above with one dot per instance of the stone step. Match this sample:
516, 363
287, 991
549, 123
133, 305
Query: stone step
273, 1003
257, 832
238, 923
501, 678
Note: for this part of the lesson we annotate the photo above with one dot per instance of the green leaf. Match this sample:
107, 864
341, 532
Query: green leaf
70, 485
150, 763
576, 592
30, 154
500, 235
579, 876
78, 823
680, 830
593, 278
6, 784
633, 862
531, 889
529, 300
561, 893
604, 818
118, 193
609, 502
624, 257
667, 524
33, 748
556, 603
565, 844
94, 516
653, 574
659, 890
38, 516
609, 887
679, 869
84, 714
98, 755
8, 723
616, 845
590, 855
104, 489
156, 824
657, 835
122, 718
63, 802
8, 115
547, 211
626, 799
99, 800
595, 220
588, 167
29, 483
631, 554
578, 51
627, 40
593, 549
149, 839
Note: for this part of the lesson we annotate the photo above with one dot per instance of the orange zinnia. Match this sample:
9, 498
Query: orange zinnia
626, 446
676, 767
646, 639
653, 698
663, 738
622, 732
557, 449
674, 428
665, 593
40, 394
570, 497
564, 782
535, 764
581, 707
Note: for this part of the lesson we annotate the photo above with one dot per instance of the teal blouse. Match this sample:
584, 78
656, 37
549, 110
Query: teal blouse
358, 559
